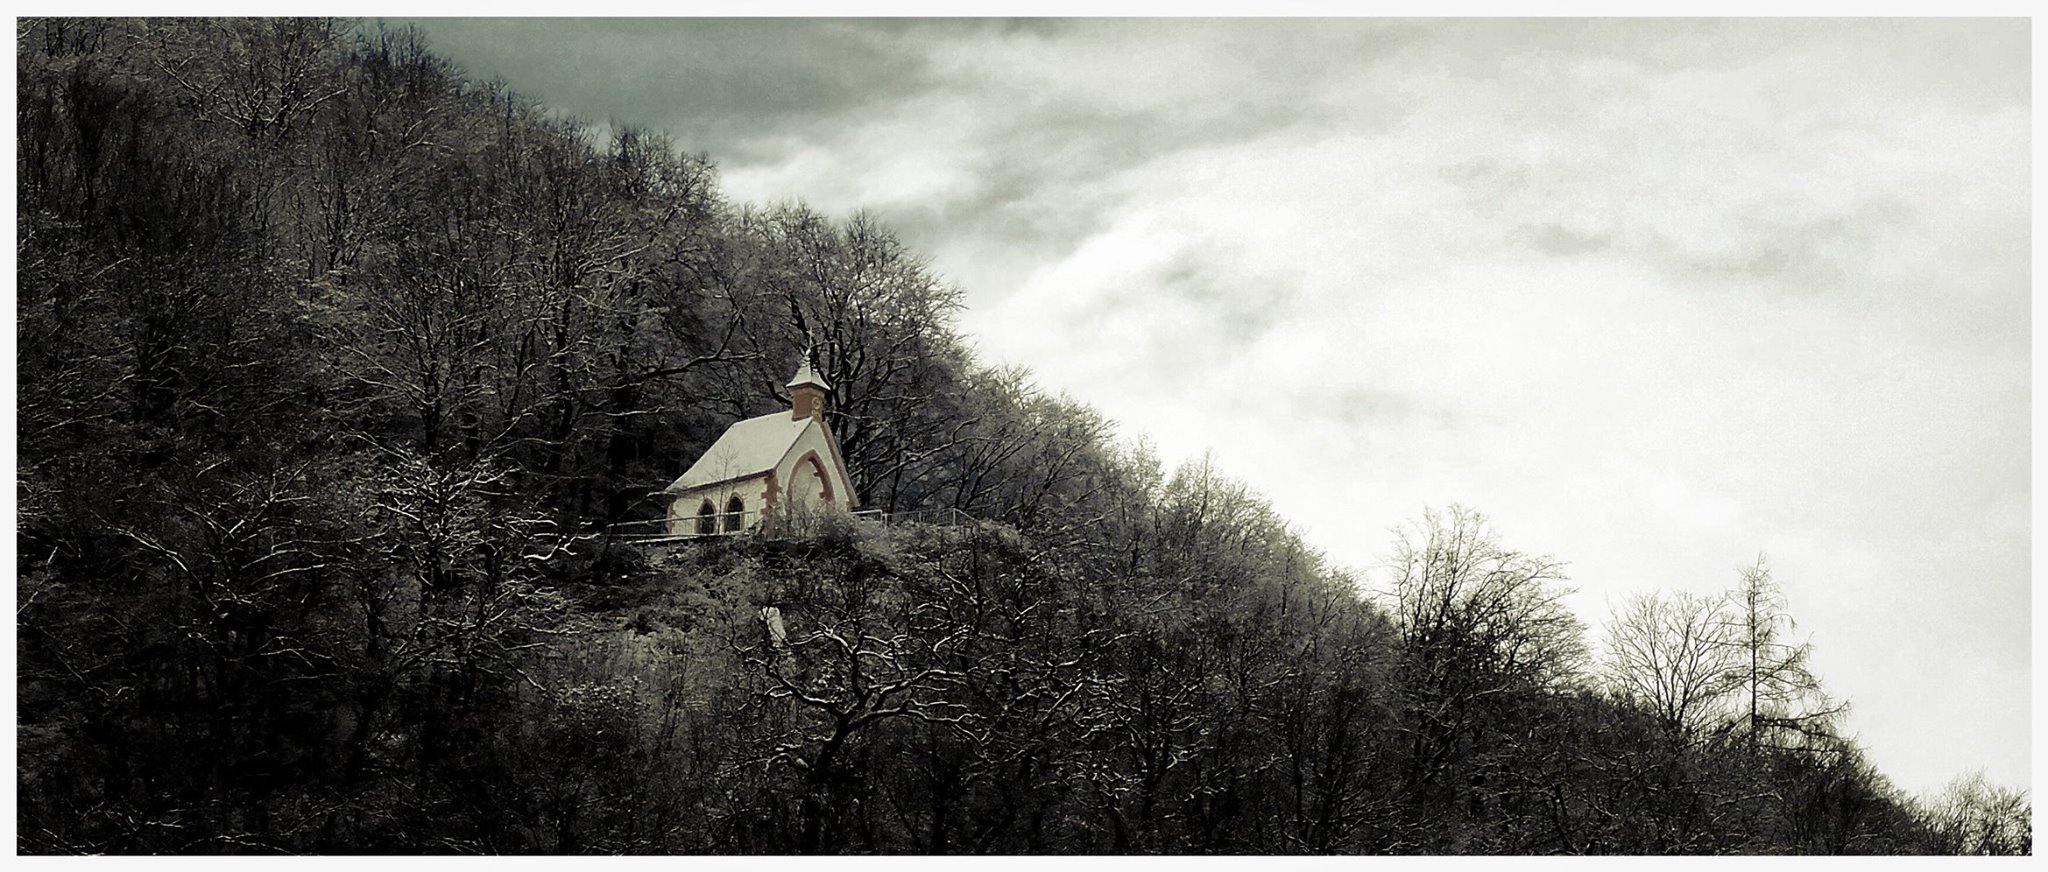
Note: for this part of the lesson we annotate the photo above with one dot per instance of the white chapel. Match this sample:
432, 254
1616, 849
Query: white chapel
763, 468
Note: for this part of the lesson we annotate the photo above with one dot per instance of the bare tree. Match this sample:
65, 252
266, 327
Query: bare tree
1783, 704
1974, 816
1673, 654
1463, 601
1485, 636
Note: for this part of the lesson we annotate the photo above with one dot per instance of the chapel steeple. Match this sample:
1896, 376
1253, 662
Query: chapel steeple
807, 392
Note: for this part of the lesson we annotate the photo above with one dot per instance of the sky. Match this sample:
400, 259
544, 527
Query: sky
1656, 296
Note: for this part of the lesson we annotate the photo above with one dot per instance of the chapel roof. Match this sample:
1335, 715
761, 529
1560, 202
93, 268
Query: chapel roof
746, 449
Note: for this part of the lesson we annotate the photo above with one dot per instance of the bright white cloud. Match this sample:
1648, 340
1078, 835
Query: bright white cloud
1653, 322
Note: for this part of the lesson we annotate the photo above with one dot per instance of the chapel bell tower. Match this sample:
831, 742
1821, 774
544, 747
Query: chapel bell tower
807, 393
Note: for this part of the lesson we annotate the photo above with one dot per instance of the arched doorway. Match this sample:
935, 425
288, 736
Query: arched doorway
808, 486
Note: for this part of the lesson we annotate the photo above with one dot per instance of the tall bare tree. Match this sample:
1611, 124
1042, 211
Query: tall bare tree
1673, 654
1783, 705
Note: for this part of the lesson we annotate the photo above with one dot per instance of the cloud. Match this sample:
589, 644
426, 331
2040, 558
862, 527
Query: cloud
721, 85
1558, 240
1658, 324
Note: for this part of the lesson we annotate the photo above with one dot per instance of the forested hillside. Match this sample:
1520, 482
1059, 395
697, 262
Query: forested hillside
335, 366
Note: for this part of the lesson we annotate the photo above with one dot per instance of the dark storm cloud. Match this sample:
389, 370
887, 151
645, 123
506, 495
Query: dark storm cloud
712, 83
749, 91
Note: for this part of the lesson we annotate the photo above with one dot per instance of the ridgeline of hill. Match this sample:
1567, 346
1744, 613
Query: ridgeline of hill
334, 365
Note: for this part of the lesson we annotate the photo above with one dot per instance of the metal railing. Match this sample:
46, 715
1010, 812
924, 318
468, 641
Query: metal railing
720, 524
936, 517
715, 525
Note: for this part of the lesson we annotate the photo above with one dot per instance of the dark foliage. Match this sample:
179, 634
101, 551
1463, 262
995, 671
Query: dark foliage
335, 366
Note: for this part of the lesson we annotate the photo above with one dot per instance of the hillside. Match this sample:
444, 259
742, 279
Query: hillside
336, 366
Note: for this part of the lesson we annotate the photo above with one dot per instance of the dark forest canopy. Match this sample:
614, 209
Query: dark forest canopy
335, 366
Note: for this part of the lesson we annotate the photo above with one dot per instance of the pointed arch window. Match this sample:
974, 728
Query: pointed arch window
735, 510
706, 523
